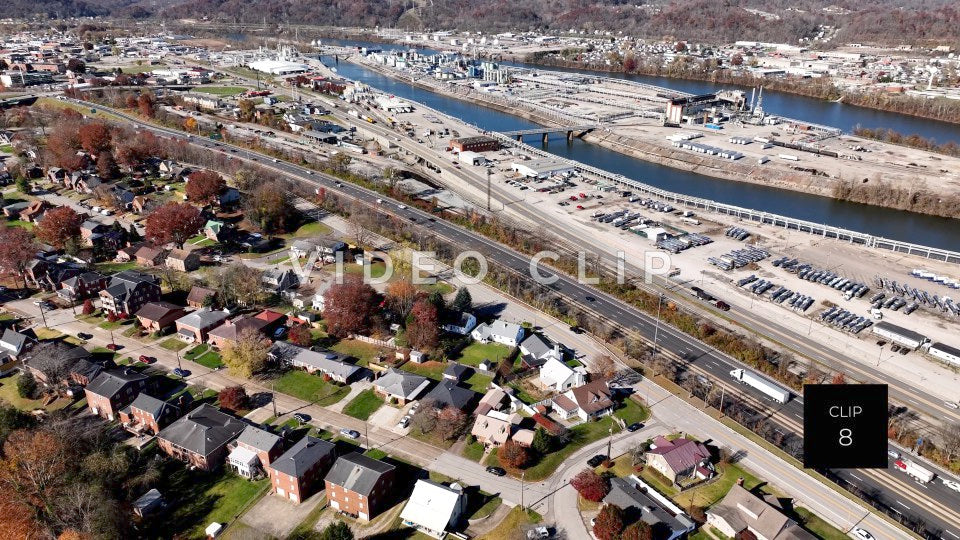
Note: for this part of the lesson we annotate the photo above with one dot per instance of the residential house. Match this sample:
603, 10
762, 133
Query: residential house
49, 274
229, 332
491, 429
149, 255
434, 508
524, 437
302, 248
679, 458
184, 260
54, 174
253, 451
447, 394
90, 230
742, 514
82, 286
217, 231
87, 183
148, 414
114, 389
491, 401
278, 280
535, 350
194, 327
54, 362
588, 401
640, 502
328, 250
13, 210
158, 316
128, 291
14, 344
198, 296
200, 438
457, 372
559, 377
35, 210
461, 323
499, 331
127, 254
400, 386
228, 198
297, 473
360, 486
329, 363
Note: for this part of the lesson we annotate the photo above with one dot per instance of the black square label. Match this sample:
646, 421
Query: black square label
845, 426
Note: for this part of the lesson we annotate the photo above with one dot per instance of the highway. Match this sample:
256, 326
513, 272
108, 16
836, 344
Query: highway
933, 503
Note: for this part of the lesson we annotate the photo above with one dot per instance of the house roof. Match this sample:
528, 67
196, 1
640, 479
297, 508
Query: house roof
554, 372
198, 294
181, 254
203, 318
742, 509
110, 382
499, 328
150, 405
536, 345
524, 436
203, 430
123, 282
56, 355
13, 341
680, 454
458, 371
148, 252
491, 429
431, 505
446, 392
626, 494
593, 396
154, 311
565, 403
269, 316
260, 439
302, 456
400, 383
231, 330
357, 472
326, 361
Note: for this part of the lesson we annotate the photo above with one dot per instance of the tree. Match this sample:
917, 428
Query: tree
17, 248
190, 124
609, 523
640, 530
35, 468
401, 295
300, 335
173, 222
349, 306
147, 104
245, 179
425, 417
23, 184
543, 442
950, 439
451, 422
839, 378
423, 332
267, 206
590, 485
337, 530
737, 59
107, 165
513, 455
27, 386
204, 186
88, 307
339, 163
462, 301
238, 283
58, 226
234, 398
604, 366
248, 355
95, 137
76, 65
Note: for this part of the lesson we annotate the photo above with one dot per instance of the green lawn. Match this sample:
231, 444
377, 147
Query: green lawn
363, 405
314, 228
9, 394
631, 411
489, 505
363, 352
476, 352
115, 325
431, 370
142, 68
47, 333
193, 353
20, 223
279, 260
375, 453
6, 148
221, 501
478, 382
221, 90
377, 269
473, 451
173, 344
205, 356
816, 525
515, 521
112, 268
303, 385
444, 288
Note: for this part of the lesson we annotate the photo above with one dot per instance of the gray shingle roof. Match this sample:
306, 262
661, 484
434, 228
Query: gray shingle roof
357, 473
204, 430
399, 383
108, 383
302, 456
326, 361
638, 506
260, 439
13, 341
151, 405
203, 318
448, 393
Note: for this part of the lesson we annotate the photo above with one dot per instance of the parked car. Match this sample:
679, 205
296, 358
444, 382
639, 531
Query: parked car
182, 373
894, 454
113, 347
404, 422
863, 534
302, 418
596, 460
952, 404
279, 332
350, 433
496, 471
144, 359
538, 533
634, 427
84, 335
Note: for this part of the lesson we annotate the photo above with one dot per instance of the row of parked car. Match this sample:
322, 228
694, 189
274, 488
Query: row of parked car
843, 319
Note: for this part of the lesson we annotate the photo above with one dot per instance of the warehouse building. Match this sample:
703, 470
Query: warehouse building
279, 67
946, 353
542, 168
479, 143
899, 335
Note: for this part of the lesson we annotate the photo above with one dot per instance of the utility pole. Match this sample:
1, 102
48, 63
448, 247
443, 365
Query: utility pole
488, 189
522, 474
179, 367
656, 329
43, 315
722, 389
366, 433
610, 443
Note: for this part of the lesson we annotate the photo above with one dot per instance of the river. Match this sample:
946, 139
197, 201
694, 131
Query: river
895, 224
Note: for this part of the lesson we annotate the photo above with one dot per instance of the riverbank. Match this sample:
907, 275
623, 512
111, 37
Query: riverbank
903, 189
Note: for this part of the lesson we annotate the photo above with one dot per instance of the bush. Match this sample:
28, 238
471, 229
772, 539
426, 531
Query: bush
234, 398
27, 386
88, 307
590, 485
111, 317
609, 523
512, 455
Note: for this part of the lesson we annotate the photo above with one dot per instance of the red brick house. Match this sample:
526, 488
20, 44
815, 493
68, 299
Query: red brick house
114, 389
198, 295
360, 486
201, 437
156, 316
148, 414
149, 256
297, 474
253, 451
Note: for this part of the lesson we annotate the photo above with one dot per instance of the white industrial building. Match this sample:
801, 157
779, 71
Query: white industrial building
899, 335
279, 67
541, 168
945, 352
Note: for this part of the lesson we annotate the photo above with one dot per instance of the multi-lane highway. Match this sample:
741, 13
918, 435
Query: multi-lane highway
935, 504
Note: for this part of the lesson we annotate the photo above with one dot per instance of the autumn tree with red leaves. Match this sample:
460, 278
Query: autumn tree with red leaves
609, 523
147, 104
58, 226
451, 422
300, 335
423, 330
17, 248
173, 222
95, 137
401, 295
512, 454
234, 398
590, 485
204, 186
349, 306
640, 530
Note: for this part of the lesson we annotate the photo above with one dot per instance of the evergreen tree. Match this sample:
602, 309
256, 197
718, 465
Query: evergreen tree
463, 301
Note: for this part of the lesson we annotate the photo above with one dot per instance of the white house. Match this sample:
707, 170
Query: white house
462, 325
537, 349
499, 331
558, 376
433, 508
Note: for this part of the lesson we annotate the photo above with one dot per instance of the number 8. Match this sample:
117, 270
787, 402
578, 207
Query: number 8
846, 437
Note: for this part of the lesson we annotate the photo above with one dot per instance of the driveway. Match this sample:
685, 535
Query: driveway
277, 516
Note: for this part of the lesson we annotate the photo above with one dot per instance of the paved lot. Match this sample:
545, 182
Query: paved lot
277, 516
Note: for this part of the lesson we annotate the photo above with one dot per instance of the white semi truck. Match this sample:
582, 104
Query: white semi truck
776, 392
919, 473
